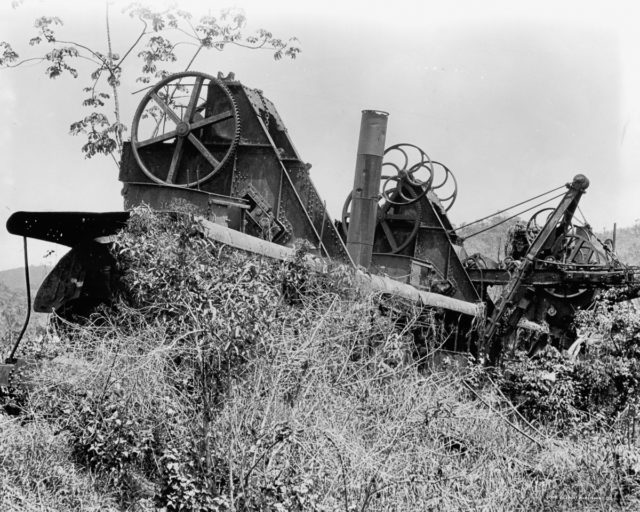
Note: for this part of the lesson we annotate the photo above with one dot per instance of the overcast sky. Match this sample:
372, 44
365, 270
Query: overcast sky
515, 97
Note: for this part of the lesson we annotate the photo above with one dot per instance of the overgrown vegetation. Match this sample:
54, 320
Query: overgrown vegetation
601, 386
223, 381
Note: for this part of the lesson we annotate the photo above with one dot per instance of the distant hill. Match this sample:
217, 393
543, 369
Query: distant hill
627, 243
13, 304
13, 279
5, 294
489, 243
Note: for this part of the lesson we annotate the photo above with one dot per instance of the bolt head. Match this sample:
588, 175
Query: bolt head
183, 129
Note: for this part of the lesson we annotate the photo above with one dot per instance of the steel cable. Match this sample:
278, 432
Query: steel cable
511, 207
512, 217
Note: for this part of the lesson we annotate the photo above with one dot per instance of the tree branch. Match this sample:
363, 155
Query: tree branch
187, 34
114, 88
194, 57
142, 34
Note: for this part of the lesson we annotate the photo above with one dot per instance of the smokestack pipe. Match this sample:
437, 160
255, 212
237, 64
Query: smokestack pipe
366, 186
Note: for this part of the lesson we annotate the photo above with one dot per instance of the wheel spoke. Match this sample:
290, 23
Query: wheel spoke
389, 234
159, 138
576, 250
203, 150
213, 119
175, 160
170, 113
195, 94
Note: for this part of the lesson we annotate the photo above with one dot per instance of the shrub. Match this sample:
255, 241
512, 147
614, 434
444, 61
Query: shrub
543, 388
600, 384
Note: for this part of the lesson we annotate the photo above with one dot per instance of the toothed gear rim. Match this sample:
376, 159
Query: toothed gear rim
149, 97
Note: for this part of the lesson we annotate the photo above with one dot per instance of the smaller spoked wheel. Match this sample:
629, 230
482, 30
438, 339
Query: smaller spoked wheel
537, 221
444, 185
575, 249
185, 129
405, 167
396, 224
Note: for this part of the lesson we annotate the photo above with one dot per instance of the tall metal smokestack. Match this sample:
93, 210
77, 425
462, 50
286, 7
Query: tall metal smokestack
366, 186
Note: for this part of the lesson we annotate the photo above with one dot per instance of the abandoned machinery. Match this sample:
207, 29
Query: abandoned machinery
223, 148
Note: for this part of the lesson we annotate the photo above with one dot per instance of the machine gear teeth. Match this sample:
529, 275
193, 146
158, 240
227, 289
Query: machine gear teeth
237, 121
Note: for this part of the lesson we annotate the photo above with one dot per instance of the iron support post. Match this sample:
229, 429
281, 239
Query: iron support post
11, 359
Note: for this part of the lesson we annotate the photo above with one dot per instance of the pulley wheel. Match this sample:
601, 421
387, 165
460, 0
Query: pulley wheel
578, 250
535, 224
444, 185
405, 167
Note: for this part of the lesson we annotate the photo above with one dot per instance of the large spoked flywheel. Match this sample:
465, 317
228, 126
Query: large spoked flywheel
185, 129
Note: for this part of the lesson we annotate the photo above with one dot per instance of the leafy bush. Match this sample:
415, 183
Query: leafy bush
108, 437
214, 302
601, 384
543, 388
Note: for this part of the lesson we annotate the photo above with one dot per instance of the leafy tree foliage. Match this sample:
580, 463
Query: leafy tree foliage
161, 32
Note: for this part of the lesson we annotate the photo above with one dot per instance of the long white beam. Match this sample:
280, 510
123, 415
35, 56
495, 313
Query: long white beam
367, 281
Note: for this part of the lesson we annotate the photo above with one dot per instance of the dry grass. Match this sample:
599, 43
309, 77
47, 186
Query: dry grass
335, 417
379, 433
36, 472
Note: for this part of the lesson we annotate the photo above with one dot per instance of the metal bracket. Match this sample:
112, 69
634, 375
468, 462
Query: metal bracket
261, 215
